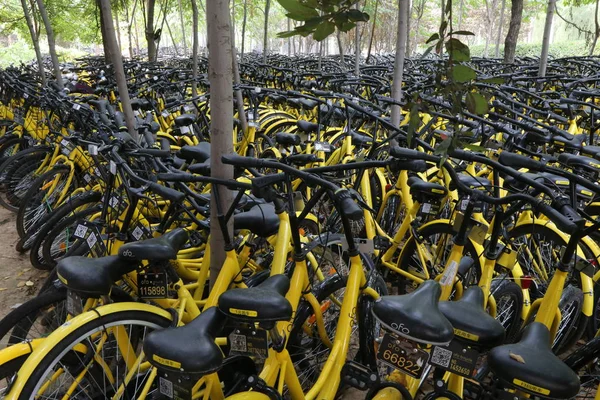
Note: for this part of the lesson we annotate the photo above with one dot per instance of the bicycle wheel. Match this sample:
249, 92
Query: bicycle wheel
36, 318
16, 175
61, 240
538, 250
509, 305
585, 361
92, 356
430, 253
41, 198
69, 208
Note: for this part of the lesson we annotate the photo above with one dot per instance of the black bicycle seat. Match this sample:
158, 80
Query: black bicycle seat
419, 187
531, 366
92, 276
262, 220
287, 139
202, 168
262, 303
198, 153
472, 324
473, 182
163, 248
190, 348
185, 120
416, 315
307, 127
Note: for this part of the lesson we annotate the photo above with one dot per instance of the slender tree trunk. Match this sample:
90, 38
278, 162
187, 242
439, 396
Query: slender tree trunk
118, 30
596, 30
320, 59
356, 49
182, 22
117, 61
510, 43
150, 30
373, 30
129, 36
289, 40
460, 14
399, 60
500, 26
137, 35
266, 31
171, 36
239, 99
341, 50
35, 40
51, 42
443, 10
194, 46
220, 75
546, 38
244, 27
408, 15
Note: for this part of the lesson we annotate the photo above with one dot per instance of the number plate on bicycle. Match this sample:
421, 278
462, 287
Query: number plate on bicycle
402, 354
74, 303
249, 341
153, 285
455, 357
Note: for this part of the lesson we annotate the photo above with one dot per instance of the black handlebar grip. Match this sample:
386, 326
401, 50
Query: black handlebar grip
413, 165
563, 223
165, 192
410, 154
165, 144
569, 101
321, 93
239, 161
120, 120
347, 205
176, 177
518, 161
148, 138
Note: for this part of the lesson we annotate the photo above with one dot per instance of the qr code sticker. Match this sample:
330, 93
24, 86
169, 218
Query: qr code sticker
81, 231
166, 387
238, 343
137, 233
91, 240
441, 357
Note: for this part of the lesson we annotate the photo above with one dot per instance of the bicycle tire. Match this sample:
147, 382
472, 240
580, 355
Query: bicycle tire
72, 206
80, 330
51, 253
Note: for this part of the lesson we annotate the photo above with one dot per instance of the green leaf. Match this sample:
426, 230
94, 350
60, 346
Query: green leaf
497, 80
476, 103
355, 15
413, 123
295, 8
287, 34
467, 33
347, 26
442, 148
324, 29
457, 50
462, 73
433, 37
448, 6
443, 27
300, 17
426, 52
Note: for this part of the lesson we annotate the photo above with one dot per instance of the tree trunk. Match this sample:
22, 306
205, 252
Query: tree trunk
510, 43
320, 59
443, 10
137, 35
356, 49
129, 22
408, 14
118, 31
546, 38
171, 36
596, 30
399, 60
194, 46
239, 99
181, 21
500, 26
35, 40
266, 32
150, 30
117, 60
289, 40
341, 50
220, 75
460, 14
51, 42
244, 27
373, 30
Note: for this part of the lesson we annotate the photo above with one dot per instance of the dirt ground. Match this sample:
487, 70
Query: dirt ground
19, 281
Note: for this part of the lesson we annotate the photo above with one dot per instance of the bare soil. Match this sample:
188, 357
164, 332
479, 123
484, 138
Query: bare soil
19, 281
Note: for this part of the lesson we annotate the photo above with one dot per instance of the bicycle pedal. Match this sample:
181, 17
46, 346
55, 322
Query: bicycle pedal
381, 243
358, 376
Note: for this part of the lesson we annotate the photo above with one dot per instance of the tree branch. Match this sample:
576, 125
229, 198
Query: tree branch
581, 30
